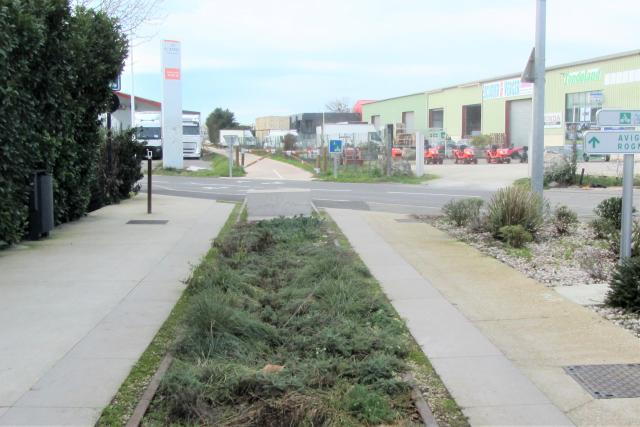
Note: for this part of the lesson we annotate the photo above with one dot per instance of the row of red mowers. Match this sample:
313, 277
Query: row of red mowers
463, 154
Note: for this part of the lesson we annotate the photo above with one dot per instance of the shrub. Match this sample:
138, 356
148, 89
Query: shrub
561, 173
611, 210
515, 235
564, 219
114, 183
515, 206
55, 69
463, 212
625, 292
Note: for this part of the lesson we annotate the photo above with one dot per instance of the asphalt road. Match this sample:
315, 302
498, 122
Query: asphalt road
401, 198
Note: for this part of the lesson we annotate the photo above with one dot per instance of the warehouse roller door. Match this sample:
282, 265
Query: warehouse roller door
520, 122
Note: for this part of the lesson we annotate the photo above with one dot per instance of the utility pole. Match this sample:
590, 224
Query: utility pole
537, 138
133, 96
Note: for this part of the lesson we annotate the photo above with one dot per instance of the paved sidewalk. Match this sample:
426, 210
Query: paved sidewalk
498, 339
78, 309
267, 168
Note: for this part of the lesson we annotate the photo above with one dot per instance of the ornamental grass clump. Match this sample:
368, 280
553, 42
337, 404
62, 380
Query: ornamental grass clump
515, 206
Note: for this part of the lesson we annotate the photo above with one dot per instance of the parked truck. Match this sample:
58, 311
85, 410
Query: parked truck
149, 125
191, 136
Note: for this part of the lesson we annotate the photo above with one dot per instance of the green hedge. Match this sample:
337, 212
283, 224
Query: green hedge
55, 69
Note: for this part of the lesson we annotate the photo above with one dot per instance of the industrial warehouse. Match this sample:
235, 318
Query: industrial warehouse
501, 107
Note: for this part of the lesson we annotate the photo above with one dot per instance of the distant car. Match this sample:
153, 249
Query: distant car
568, 148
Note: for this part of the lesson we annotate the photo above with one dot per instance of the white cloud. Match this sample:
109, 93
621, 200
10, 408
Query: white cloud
317, 46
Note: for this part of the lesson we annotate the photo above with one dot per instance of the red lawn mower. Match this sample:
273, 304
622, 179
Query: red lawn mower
433, 156
498, 155
465, 155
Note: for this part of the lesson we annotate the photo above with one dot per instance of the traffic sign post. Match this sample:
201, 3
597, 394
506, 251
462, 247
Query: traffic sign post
610, 117
625, 142
612, 142
335, 148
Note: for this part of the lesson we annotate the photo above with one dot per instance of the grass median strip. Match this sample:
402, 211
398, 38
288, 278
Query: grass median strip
124, 403
284, 325
219, 168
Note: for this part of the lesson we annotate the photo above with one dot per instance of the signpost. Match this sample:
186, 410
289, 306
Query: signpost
335, 148
618, 117
625, 142
116, 84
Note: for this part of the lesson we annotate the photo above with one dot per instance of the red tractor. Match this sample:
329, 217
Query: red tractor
465, 155
498, 155
433, 156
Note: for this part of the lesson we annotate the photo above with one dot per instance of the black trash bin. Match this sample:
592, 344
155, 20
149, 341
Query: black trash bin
41, 206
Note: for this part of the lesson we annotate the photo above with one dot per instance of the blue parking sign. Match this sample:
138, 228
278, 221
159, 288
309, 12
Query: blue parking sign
335, 146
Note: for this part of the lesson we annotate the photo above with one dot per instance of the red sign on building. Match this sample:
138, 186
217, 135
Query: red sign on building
172, 73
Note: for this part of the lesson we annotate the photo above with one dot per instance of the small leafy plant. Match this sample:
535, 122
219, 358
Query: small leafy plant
515, 236
564, 219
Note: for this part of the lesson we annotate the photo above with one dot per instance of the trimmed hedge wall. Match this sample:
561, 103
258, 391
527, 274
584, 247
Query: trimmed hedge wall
55, 69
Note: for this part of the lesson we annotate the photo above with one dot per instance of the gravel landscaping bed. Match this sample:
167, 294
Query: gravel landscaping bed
555, 261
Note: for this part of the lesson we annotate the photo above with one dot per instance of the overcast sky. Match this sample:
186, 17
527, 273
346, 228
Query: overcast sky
268, 57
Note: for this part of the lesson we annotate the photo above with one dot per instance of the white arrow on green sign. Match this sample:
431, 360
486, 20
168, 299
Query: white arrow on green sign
612, 142
615, 117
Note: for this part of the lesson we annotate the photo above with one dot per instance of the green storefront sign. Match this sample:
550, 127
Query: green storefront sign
583, 76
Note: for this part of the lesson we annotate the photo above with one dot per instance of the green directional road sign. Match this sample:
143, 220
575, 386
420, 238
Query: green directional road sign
625, 118
615, 117
612, 142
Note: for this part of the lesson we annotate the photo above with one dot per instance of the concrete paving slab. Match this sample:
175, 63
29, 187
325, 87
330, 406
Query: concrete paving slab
410, 289
585, 294
280, 202
441, 330
607, 412
78, 383
99, 289
521, 340
487, 381
540, 415
49, 417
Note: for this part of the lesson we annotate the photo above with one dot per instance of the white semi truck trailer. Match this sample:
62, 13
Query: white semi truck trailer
149, 125
191, 136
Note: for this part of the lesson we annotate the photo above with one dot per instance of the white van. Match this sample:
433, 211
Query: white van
191, 137
233, 137
149, 125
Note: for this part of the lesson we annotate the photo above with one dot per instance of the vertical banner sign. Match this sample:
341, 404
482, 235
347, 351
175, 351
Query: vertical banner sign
171, 105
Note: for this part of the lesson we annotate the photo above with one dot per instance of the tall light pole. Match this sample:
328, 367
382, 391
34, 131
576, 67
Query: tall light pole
537, 137
133, 96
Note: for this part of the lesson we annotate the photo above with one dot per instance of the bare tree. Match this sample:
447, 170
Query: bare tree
338, 105
131, 13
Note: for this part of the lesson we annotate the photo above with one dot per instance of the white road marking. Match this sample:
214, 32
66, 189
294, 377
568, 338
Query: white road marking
334, 200
322, 189
215, 188
195, 191
277, 174
432, 194
399, 204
